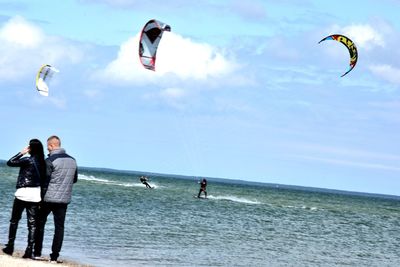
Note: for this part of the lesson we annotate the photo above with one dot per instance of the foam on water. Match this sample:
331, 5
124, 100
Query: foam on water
302, 207
240, 225
235, 199
96, 180
92, 178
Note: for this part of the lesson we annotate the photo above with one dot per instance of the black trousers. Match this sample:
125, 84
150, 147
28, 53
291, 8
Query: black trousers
31, 215
59, 211
202, 190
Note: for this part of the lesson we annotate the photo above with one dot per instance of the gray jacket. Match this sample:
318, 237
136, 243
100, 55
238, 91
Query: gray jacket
62, 173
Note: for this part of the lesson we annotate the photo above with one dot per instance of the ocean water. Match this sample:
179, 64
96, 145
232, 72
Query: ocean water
114, 220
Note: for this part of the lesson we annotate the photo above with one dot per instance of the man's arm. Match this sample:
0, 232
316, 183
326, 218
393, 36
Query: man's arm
76, 175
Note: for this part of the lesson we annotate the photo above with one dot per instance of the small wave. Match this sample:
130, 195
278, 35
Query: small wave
91, 178
309, 208
301, 207
235, 199
94, 179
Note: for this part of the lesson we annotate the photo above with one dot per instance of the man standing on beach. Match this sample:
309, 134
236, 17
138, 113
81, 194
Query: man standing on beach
62, 173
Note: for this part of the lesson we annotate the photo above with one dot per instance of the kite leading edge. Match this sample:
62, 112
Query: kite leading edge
43, 77
350, 46
149, 39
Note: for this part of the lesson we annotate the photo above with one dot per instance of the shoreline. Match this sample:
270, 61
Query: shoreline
16, 260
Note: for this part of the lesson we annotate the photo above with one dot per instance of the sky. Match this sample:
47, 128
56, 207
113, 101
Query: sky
242, 89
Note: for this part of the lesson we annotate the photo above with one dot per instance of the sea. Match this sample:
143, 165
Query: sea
113, 220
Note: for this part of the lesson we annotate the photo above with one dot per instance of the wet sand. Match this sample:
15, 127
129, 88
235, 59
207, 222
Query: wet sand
17, 261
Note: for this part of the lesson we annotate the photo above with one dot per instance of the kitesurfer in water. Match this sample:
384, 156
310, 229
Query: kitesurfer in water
203, 185
143, 180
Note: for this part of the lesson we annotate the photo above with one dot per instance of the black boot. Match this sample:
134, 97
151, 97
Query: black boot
8, 249
28, 253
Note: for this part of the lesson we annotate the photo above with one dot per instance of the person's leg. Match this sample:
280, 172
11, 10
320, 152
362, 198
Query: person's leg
18, 208
31, 216
43, 213
59, 213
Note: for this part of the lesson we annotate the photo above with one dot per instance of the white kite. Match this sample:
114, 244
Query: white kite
43, 77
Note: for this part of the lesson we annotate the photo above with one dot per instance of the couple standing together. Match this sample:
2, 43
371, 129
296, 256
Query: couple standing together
44, 186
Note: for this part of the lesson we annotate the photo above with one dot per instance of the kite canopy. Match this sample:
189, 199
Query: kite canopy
149, 40
43, 77
350, 46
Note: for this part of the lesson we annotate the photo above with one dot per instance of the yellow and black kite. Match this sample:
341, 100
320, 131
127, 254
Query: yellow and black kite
350, 46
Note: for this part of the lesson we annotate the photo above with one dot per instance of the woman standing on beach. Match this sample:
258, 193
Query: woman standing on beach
28, 195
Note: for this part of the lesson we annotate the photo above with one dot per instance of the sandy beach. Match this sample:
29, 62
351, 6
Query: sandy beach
17, 261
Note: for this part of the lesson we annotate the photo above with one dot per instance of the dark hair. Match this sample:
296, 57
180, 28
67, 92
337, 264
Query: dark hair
36, 150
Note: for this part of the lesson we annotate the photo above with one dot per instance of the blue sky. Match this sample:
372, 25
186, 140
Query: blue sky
242, 89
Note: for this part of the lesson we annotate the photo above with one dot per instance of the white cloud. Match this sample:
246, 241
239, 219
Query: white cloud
173, 97
364, 165
20, 33
341, 152
363, 35
116, 3
249, 10
91, 93
58, 102
346, 156
119, 2
172, 93
386, 72
177, 57
24, 47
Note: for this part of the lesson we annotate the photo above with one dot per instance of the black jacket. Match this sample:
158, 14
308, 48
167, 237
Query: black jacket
29, 170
